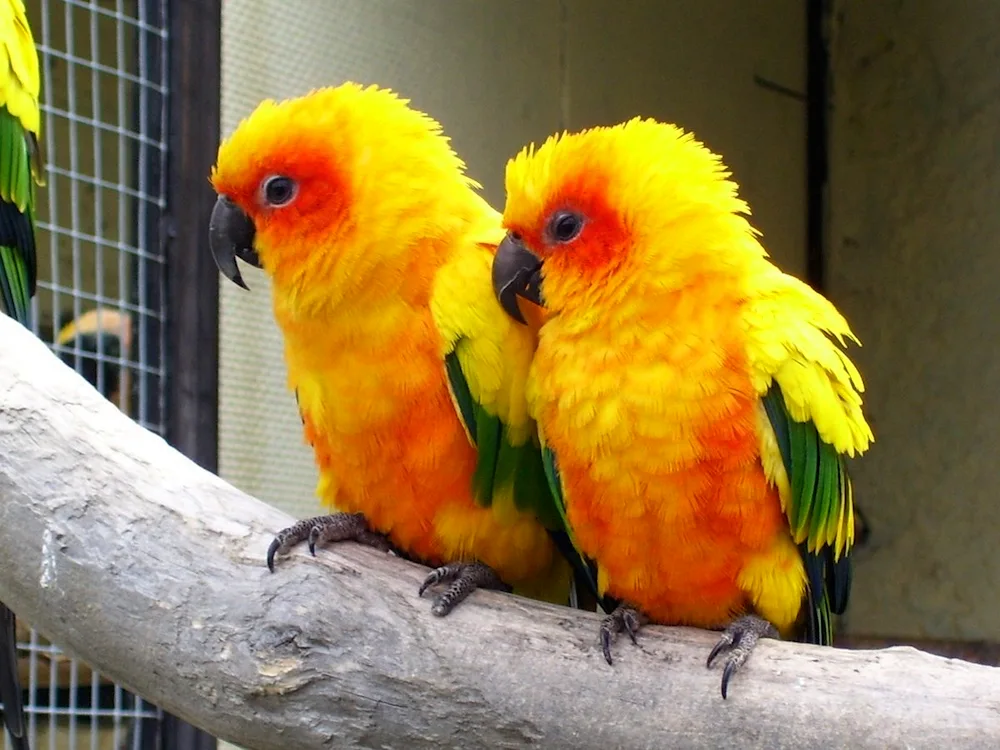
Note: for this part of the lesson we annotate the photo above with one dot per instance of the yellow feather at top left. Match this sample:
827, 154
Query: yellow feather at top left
19, 79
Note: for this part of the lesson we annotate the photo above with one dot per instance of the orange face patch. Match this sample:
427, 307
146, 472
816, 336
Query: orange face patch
601, 244
367, 171
322, 189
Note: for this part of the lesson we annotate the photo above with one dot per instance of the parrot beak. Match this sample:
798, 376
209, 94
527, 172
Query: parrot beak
230, 236
516, 273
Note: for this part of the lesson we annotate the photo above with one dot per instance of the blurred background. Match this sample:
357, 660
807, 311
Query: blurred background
864, 136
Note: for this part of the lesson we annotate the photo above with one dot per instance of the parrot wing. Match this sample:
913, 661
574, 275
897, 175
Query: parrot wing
585, 567
487, 357
811, 395
19, 159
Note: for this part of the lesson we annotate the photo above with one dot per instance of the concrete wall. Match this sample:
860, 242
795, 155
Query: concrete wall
914, 262
498, 75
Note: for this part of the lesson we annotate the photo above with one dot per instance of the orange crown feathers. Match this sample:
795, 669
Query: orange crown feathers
641, 186
369, 174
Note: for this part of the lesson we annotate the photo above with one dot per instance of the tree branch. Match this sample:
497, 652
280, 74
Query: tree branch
151, 569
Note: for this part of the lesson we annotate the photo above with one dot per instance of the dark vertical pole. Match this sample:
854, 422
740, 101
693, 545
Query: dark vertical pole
150, 108
817, 140
192, 288
192, 279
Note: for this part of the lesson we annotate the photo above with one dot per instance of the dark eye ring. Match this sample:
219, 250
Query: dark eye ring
279, 190
565, 226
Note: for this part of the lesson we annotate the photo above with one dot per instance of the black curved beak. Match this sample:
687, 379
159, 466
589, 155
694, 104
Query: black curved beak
230, 236
516, 273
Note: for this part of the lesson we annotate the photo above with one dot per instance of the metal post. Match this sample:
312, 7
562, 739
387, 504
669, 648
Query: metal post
192, 284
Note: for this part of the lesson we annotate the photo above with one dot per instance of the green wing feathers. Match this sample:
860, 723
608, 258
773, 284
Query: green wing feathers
820, 513
520, 469
487, 357
20, 160
811, 393
18, 260
504, 464
585, 568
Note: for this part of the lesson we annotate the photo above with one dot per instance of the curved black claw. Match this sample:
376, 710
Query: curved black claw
336, 527
464, 578
739, 639
272, 550
624, 617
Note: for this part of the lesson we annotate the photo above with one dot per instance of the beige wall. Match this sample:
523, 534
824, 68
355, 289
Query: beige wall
694, 63
498, 75
914, 263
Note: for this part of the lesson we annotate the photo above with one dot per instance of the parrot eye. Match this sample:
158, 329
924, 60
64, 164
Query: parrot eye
279, 190
565, 226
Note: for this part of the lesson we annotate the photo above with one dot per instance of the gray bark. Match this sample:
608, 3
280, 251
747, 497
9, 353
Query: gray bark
149, 568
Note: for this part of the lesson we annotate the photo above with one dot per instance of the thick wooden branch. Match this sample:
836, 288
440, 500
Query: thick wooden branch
130, 556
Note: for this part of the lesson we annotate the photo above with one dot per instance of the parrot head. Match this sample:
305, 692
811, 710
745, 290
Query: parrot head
317, 190
103, 339
586, 210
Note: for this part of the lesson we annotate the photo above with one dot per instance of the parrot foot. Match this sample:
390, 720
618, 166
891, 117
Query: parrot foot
624, 617
464, 578
739, 638
336, 527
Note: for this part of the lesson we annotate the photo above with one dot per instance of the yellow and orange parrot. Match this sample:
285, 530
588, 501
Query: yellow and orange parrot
408, 374
694, 406
20, 169
94, 344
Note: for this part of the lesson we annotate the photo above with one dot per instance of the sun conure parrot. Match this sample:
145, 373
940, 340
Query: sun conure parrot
694, 406
20, 169
409, 376
103, 336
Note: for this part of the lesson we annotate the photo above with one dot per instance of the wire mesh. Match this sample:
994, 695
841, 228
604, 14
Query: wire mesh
100, 288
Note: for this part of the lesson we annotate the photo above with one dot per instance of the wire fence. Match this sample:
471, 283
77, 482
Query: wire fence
100, 298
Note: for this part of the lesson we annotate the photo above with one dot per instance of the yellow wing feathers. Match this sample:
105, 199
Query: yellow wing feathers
795, 338
494, 352
19, 77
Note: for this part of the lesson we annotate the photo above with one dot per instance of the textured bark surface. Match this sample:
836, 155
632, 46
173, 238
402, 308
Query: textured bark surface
151, 569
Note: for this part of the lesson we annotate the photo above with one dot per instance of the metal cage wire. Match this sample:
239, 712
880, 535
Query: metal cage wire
104, 89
